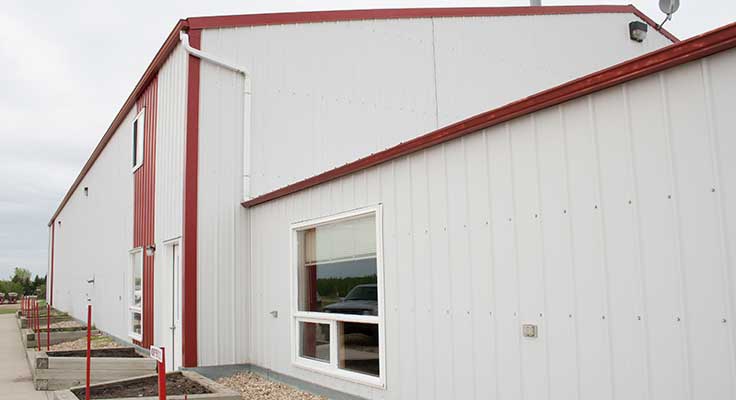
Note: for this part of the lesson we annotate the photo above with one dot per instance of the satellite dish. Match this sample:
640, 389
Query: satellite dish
669, 7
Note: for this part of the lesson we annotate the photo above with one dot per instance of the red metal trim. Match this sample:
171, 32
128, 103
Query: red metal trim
51, 273
189, 236
325, 16
144, 209
654, 25
689, 50
225, 21
163, 54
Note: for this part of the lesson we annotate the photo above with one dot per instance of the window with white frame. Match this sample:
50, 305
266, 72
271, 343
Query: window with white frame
138, 134
135, 304
337, 301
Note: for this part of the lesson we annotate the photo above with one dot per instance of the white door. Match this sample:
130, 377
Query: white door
175, 354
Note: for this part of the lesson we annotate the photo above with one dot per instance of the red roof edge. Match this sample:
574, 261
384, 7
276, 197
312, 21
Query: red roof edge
324, 16
158, 60
712, 42
232, 21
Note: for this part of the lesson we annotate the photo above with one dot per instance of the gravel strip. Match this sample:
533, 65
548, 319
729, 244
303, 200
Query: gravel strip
255, 387
64, 324
99, 341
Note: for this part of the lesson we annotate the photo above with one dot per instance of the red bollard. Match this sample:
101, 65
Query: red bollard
48, 327
89, 343
162, 376
38, 325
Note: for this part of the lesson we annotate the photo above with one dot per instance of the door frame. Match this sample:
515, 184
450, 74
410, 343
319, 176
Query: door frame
174, 355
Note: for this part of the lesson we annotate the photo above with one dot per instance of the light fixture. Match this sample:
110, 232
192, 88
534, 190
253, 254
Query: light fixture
638, 31
150, 249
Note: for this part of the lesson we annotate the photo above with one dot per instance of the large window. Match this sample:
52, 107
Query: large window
138, 134
135, 302
337, 304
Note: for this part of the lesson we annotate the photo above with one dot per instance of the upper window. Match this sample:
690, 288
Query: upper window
139, 133
338, 302
135, 302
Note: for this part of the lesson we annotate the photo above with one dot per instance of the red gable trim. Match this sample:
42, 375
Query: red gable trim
230, 21
161, 56
323, 16
689, 50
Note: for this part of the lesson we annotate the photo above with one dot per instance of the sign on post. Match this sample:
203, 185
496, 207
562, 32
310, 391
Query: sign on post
159, 354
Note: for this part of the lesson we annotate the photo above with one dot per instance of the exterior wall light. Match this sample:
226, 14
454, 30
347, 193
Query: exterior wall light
150, 250
638, 31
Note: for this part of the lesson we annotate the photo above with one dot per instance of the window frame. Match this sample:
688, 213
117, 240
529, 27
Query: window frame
331, 319
136, 252
136, 138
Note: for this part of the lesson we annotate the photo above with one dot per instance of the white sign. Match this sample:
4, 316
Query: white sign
157, 353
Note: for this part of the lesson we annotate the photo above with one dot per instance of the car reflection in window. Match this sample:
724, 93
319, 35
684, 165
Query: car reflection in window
361, 300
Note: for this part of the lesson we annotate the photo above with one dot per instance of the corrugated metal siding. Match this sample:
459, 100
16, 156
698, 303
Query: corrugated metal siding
144, 205
170, 137
312, 83
608, 221
222, 228
94, 238
171, 125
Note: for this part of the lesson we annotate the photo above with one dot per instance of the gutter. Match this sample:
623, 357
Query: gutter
247, 109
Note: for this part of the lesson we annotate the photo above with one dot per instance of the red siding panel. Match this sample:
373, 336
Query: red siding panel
189, 236
144, 204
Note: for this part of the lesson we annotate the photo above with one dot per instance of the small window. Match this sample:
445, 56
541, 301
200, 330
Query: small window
139, 133
135, 304
337, 299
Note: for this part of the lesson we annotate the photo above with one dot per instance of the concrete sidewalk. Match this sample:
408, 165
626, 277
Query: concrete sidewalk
15, 377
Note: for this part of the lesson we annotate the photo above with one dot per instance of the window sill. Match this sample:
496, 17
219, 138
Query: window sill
136, 168
325, 369
135, 336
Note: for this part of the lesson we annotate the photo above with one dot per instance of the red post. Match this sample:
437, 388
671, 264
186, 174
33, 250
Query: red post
48, 327
89, 343
38, 327
162, 376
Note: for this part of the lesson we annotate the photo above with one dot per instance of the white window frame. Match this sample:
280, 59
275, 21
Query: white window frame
136, 252
138, 139
297, 316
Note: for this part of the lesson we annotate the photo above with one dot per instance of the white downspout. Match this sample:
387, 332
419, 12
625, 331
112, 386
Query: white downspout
184, 37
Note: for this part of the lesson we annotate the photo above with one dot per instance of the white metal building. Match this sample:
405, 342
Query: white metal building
327, 196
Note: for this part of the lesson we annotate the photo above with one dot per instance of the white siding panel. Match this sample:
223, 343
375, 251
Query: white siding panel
94, 237
170, 134
595, 220
329, 93
222, 222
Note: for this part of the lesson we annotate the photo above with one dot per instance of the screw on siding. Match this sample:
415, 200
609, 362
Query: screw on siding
713, 190
638, 317
603, 317
509, 219
564, 211
569, 315
540, 314
723, 320
669, 196
596, 206
630, 201
536, 215
678, 319
514, 313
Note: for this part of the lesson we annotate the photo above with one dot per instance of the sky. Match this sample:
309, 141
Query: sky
66, 67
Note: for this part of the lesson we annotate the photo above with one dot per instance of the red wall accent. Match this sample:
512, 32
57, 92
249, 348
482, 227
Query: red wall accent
189, 236
144, 204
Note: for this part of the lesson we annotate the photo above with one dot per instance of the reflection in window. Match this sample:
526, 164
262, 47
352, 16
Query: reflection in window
358, 349
338, 273
315, 341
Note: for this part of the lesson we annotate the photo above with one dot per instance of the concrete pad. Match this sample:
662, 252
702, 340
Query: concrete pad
15, 376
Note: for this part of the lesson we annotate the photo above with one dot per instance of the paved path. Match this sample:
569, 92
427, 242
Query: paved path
15, 377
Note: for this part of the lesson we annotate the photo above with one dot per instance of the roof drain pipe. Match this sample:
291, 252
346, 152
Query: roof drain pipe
184, 37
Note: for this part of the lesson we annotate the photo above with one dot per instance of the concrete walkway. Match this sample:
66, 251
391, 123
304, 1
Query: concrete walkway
15, 377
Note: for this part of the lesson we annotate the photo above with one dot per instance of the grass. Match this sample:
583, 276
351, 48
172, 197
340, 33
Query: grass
7, 311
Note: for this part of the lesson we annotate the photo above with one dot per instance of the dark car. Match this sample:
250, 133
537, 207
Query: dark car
361, 300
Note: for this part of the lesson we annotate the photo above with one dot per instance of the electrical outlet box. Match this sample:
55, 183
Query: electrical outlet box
529, 331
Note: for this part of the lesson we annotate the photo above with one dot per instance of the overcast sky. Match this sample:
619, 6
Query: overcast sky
66, 67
